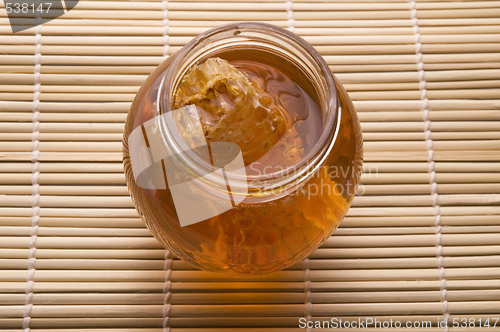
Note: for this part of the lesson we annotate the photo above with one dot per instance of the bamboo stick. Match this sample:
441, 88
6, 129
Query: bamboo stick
429, 85
230, 298
82, 60
66, 117
122, 264
299, 23
199, 15
66, 178
111, 254
462, 188
88, 213
142, 232
369, 156
294, 310
258, 5
467, 155
87, 50
49, 69
456, 38
404, 229
407, 49
399, 156
252, 298
64, 156
115, 22
64, 167
337, 241
63, 127
397, 39
414, 105
75, 222
472, 229
464, 116
135, 80
67, 191
342, 15
369, 167
287, 324
441, 126
207, 286
437, 30
437, 145
65, 137
68, 97
442, 167
370, 68
367, 179
342, 254
434, 136
84, 40
442, 5
441, 178
432, 60
80, 231
368, 146
476, 126
282, 276
453, 66
422, 211
67, 107
76, 89
69, 201
369, 222
418, 200
336, 68
437, 94
155, 6
470, 220
119, 29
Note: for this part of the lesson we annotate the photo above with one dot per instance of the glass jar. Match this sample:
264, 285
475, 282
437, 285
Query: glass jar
274, 219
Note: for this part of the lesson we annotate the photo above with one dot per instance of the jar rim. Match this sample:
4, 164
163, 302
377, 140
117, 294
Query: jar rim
288, 179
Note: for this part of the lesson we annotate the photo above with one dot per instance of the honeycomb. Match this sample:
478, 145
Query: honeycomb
234, 109
256, 239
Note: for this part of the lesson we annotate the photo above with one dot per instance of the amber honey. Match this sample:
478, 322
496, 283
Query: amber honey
280, 127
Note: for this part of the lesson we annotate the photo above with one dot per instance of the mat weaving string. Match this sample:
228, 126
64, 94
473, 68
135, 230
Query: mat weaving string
307, 292
167, 291
429, 141
168, 259
30, 279
166, 47
289, 12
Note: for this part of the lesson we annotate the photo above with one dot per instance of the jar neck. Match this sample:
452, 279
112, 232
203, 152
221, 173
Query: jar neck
279, 44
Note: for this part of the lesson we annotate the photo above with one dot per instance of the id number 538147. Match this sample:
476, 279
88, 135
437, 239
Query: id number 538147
24, 7
472, 322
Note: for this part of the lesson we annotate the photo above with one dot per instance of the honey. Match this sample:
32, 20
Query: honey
302, 163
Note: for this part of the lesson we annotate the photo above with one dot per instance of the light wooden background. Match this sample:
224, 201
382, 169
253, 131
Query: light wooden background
422, 243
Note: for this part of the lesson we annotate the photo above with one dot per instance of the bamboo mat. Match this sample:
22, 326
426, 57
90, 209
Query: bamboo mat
421, 242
